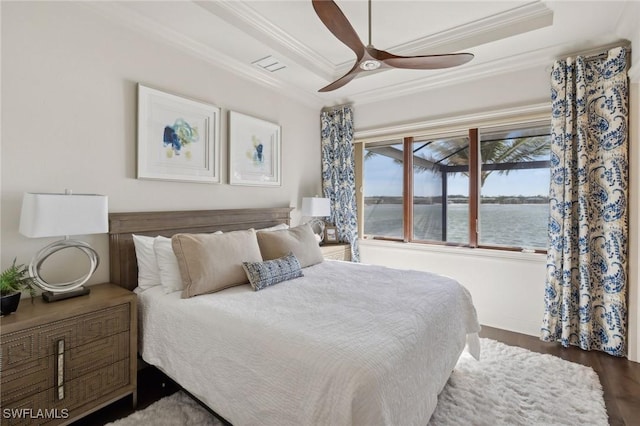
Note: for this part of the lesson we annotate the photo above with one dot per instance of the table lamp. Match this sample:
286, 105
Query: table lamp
316, 208
61, 215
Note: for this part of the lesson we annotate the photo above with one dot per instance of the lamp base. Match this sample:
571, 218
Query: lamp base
317, 226
49, 296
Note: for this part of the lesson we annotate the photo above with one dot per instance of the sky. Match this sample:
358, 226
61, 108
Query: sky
384, 177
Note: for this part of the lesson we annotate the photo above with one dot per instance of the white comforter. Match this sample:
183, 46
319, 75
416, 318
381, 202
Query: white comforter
345, 344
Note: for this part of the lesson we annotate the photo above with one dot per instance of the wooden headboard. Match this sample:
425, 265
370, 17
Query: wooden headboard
123, 268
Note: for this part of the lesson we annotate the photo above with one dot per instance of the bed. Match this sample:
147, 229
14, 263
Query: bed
343, 344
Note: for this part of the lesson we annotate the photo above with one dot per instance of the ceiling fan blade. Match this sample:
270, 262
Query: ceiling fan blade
353, 73
369, 58
333, 18
427, 62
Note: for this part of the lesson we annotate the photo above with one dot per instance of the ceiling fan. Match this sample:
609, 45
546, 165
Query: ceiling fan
368, 58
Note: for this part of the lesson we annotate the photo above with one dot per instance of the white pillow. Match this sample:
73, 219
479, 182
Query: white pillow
167, 264
148, 272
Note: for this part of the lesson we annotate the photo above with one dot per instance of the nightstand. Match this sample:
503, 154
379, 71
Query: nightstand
336, 251
63, 360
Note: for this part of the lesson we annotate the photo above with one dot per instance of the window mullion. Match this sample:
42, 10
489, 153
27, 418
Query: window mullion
407, 190
474, 173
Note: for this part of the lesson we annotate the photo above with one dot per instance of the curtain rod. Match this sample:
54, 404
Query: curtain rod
334, 107
594, 57
603, 55
600, 52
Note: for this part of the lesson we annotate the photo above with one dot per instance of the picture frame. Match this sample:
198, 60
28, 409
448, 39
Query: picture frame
254, 151
178, 138
330, 234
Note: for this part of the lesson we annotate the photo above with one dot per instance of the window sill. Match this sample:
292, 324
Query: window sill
457, 251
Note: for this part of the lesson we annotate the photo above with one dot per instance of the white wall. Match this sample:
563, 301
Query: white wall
496, 93
69, 81
507, 288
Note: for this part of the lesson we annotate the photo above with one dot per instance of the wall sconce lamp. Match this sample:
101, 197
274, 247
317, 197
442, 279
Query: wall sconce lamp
56, 215
316, 208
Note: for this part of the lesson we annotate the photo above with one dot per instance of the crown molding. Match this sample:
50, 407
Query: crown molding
463, 74
247, 20
133, 20
237, 13
512, 22
471, 72
496, 27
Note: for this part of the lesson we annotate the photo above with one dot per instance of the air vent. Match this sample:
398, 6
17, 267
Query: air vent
269, 63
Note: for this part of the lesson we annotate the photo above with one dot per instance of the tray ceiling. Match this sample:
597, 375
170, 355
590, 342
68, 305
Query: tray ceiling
503, 36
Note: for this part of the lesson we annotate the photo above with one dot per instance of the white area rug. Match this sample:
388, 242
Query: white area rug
508, 386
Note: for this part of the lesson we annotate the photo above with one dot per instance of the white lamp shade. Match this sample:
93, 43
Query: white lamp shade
54, 215
316, 207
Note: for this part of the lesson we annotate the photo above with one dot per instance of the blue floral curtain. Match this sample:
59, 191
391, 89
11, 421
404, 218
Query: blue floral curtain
586, 283
338, 173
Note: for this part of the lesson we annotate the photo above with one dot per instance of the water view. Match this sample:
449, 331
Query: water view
514, 225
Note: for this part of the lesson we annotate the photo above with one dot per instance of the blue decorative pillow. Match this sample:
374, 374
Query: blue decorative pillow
270, 272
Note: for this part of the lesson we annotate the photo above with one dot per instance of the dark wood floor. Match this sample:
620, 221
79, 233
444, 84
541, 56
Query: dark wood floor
620, 380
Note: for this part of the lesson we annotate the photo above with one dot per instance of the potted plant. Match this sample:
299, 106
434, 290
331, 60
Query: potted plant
13, 281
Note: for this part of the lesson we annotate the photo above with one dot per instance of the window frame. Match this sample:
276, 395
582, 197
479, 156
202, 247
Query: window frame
473, 132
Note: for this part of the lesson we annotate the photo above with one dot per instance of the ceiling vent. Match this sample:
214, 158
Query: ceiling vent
269, 63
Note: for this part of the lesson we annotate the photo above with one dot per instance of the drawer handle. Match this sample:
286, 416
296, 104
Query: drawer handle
60, 381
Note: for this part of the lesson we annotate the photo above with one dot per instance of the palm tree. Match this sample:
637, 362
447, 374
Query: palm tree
456, 153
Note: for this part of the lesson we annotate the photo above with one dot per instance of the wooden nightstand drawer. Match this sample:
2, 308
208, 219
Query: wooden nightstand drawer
28, 346
36, 377
68, 358
336, 251
87, 390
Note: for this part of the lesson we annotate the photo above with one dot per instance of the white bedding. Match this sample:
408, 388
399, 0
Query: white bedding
345, 344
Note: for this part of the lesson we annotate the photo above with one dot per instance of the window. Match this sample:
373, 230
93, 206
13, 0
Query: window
383, 207
484, 188
441, 190
514, 188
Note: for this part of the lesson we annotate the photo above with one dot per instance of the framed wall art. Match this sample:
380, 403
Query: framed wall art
178, 138
254, 151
